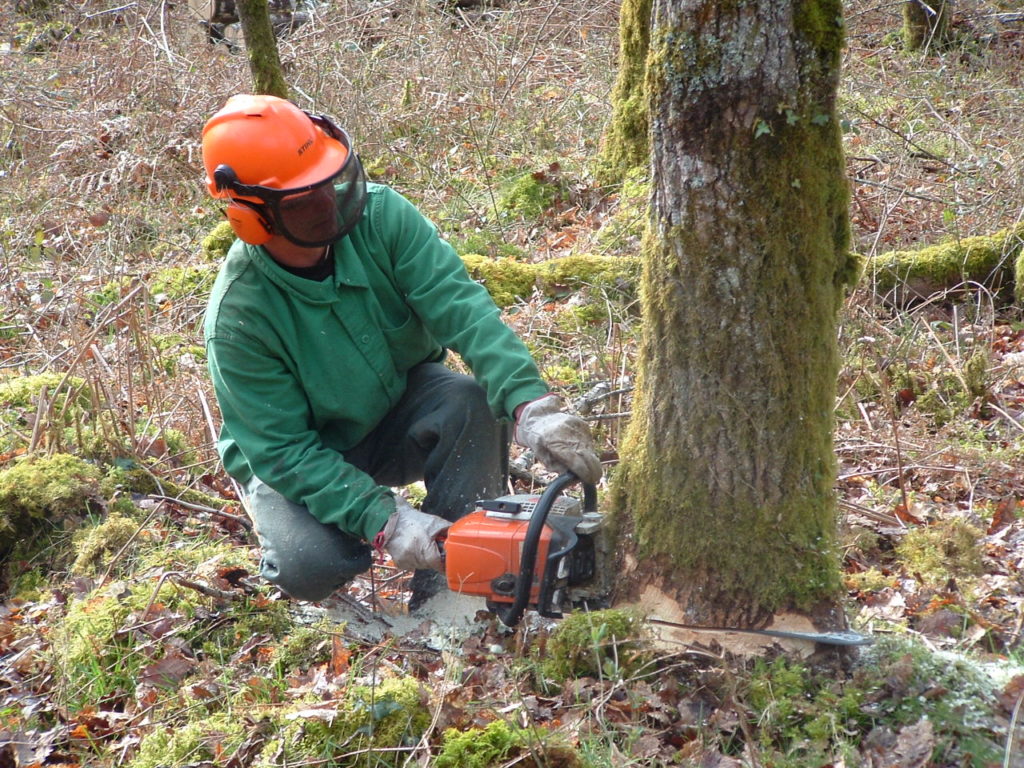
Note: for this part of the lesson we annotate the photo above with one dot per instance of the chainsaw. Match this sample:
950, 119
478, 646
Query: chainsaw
544, 552
549, 553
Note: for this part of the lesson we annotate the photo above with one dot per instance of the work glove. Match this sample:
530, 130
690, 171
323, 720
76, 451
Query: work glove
561, 441
410, 537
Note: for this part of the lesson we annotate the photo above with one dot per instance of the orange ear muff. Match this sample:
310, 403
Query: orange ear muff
248, 224
247, 221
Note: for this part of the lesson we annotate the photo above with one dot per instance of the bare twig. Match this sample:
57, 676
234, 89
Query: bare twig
206, 589
243, 521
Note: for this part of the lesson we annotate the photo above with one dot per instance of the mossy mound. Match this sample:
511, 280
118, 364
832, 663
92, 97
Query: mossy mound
617, 274
361, 729
602, 644
502, 743
368, 726
46, 488
528, 196
24, 391
93, 546
218, 240
199, 742
504, 278
950, 549
182, 282
102, 642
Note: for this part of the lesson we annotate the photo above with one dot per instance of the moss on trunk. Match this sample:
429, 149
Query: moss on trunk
727, 468
625, 144
261, 47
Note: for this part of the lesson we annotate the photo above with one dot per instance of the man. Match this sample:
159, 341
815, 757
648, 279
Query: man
325, 333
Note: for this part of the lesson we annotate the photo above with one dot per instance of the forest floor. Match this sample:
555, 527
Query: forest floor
134, 629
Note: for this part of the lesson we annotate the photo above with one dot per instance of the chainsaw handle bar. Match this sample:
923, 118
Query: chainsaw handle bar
528, 559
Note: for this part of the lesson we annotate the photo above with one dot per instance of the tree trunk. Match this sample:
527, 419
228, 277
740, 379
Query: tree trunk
925, 24
261, 48
725, 491
626, 144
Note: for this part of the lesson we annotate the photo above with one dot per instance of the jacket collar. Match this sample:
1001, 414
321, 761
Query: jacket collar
348, 271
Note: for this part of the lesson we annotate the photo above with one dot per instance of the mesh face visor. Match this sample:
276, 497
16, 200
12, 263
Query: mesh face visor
317, 214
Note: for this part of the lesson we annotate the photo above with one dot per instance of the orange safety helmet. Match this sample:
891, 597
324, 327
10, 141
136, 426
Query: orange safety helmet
263, 154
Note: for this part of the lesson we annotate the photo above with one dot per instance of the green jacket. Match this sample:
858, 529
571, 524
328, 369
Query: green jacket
304, 370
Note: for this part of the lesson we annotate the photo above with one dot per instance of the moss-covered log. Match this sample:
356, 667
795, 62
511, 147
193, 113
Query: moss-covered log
995, 262
508, 280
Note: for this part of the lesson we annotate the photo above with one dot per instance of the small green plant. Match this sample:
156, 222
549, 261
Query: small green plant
801, 719
903, 681
111, 292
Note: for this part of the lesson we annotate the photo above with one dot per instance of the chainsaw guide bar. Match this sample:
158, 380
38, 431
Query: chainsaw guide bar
840, 637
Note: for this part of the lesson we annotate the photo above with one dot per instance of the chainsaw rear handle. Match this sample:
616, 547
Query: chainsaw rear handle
528, 559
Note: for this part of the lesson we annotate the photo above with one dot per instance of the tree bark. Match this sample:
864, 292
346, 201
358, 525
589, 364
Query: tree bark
261, 48
725, 491
925, 24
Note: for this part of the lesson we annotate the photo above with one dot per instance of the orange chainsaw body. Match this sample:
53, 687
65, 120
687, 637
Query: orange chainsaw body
482, 555
528, 551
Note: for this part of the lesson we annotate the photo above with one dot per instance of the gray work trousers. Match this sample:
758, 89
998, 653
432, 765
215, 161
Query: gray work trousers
442, 432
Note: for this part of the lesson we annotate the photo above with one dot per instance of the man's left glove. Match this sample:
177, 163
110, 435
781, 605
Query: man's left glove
560, 440
410, 537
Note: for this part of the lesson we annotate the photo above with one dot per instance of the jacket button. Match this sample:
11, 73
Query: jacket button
365, 339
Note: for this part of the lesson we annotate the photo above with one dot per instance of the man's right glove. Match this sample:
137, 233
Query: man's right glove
410, 537
560, 440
